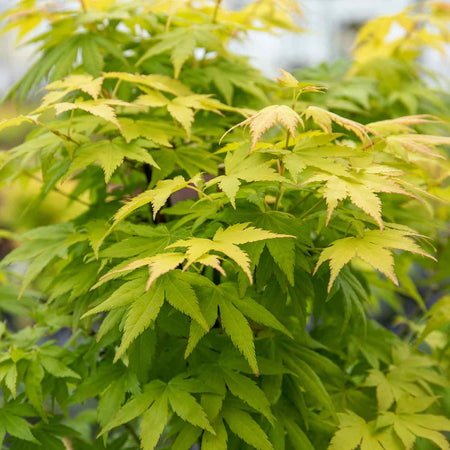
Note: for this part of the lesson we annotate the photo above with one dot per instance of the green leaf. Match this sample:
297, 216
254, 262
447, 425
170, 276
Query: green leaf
187, 407
92, 58
17, 427
372, 248
33, 388
236, 326
217, 441
57, 368
181, 296
153, 422
242, 424
136, 406
111, 155
141, 314
248, 391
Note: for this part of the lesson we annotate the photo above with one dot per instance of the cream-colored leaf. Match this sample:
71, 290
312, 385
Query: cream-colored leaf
266, 119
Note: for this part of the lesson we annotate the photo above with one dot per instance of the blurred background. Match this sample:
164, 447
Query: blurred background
330, 28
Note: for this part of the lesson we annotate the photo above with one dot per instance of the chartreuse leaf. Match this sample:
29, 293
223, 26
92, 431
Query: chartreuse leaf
354, 431
33, 389
248, 391
242, 424
145, 307
217, 441
137, 405
187, 407
156, 196
236, 326
17, 426
142, 312
409, 423
181, 43
226, 242
17, 121
373, 248
187, 437
360, 188
239, 165
154, 421
110, 155
102, 108
438, 315
85, 83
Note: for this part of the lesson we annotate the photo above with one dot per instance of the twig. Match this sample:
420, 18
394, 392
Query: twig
216, 11
313, 207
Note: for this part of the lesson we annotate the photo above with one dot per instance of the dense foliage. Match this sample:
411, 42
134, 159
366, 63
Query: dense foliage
236, 236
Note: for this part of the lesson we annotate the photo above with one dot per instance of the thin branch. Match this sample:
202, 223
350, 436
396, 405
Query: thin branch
313, 207
216, 11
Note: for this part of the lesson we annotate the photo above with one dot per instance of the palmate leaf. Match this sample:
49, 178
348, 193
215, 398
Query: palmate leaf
267, 118
324, 119
243, 425
354, 431
102, 108
84, 83
156, 196
226, 242
181, 43
17, 121
360, 188
241, 166
417, 143
154, 81
159, 133
373, 248
143, 311
110, 155
234, 312
144, 308
409, 422
182, 108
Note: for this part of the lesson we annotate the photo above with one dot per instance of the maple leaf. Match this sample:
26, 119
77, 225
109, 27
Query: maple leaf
267, 118
152, 130
110, 154
226, 242
181, 43
409, 423
360, 188
241, 166
85, 83
182, 108
353, 432
16, 121
101, 108
157, 265
156, 196
373, 248
153, 81
417, 143
401, 124
324, 119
